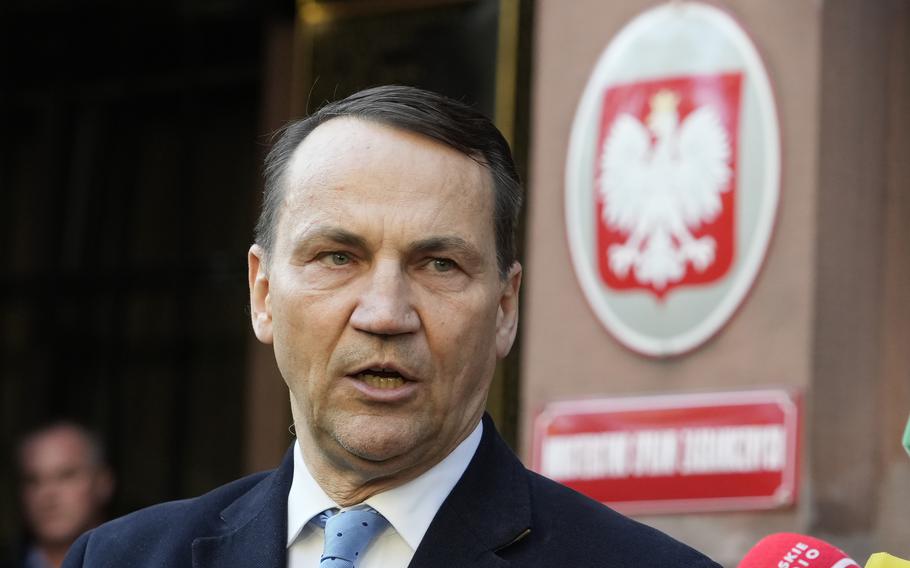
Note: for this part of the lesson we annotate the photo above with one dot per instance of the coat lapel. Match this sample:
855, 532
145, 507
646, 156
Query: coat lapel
487, 511
256, 526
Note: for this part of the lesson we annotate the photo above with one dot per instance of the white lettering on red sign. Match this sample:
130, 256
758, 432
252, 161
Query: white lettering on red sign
655, 453
665, 452
587, 456
734, 449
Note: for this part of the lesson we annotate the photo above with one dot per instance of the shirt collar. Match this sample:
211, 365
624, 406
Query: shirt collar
409, 508
306, 499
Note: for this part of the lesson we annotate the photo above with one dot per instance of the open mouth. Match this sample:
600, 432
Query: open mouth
380, 378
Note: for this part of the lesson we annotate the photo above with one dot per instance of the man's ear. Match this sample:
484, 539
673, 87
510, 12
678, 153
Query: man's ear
507, 314
260, 303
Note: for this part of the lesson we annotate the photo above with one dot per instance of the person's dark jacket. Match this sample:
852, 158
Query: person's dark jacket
499, 514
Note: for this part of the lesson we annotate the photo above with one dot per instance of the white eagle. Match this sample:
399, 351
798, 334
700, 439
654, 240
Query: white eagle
660, 192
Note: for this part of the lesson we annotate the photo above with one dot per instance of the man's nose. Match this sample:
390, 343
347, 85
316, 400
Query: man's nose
385, 305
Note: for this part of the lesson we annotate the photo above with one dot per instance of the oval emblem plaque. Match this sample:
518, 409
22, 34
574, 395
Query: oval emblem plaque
672, 177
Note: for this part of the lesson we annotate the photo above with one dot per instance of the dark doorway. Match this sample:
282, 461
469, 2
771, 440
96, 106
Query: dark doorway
129, 174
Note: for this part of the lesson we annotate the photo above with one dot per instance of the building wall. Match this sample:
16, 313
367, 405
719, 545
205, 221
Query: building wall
861, 378
792, 330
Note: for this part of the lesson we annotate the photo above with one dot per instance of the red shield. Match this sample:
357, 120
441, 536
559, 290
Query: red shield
661, 236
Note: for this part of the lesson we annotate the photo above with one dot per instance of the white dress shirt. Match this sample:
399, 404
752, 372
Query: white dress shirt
409, 508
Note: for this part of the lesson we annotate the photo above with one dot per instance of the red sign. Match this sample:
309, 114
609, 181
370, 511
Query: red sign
666, 182
674, 453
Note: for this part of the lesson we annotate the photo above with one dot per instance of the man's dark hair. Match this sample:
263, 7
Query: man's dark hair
423, 112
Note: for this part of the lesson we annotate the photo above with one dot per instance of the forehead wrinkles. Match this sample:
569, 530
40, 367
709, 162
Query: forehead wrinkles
394, 165
465, 191
365, 148
300, 186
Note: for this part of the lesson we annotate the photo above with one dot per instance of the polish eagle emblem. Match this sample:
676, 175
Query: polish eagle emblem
660, 180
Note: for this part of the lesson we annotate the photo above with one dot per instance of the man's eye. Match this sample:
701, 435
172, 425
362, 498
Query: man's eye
337, 258
442, 264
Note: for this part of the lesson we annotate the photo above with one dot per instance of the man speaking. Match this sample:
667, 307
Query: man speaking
384, 275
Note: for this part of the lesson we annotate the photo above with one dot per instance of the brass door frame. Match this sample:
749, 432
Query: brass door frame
312, 13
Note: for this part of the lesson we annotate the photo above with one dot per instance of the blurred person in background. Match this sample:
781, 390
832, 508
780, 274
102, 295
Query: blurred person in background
65, 486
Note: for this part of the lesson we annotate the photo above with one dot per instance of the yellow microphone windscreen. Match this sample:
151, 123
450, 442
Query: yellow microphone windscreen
885, 560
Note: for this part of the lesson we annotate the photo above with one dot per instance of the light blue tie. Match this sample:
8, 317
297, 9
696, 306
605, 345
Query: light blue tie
347, 535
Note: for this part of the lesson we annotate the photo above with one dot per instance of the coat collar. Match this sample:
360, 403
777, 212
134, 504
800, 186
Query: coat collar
256, 532
487, 511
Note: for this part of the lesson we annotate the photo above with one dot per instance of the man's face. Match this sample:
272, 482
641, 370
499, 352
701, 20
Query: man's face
63, 491
382, 297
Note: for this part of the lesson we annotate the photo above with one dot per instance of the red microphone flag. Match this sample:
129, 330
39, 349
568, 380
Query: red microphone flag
790, 550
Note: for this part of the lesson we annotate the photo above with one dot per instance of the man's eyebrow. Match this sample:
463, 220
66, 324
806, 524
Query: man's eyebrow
445, 243
328, 233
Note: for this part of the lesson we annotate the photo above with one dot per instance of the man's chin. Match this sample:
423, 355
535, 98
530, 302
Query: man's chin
378, 443
59, 537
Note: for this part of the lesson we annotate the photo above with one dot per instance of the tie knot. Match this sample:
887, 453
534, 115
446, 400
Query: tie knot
347, 535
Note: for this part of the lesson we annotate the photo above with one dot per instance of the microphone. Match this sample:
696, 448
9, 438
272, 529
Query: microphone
885, 560
791, 550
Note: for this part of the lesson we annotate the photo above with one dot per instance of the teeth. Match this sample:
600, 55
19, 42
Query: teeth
378, 382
